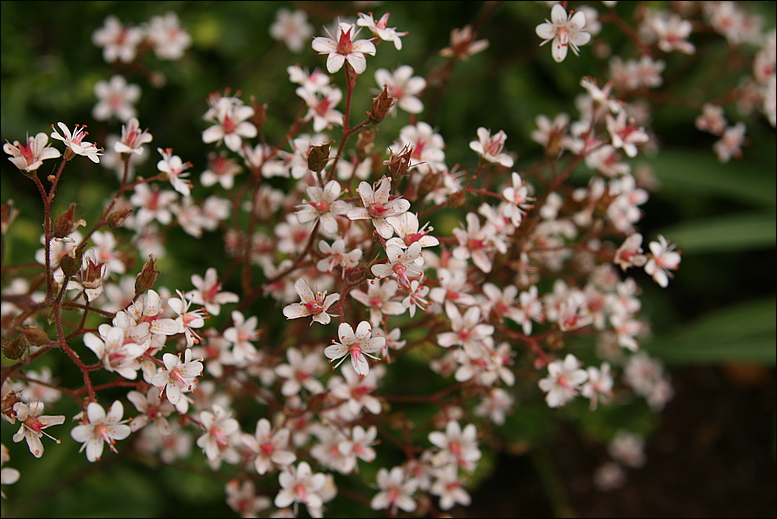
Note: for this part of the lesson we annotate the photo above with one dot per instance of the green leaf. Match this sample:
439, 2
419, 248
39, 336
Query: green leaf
724, 233
701, 173
743, 333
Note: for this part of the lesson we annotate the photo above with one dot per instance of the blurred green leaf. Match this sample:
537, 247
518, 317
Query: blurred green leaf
744, 333
701, 173
724, 233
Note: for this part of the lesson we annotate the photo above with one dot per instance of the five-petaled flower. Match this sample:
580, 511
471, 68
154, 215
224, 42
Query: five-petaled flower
356, 345
310, 304
343, 47
101, 428
30, 157
565, 31
378, 207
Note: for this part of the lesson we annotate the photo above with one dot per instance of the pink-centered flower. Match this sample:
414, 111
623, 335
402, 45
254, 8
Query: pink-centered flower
378, 207
310, 304
30, 157
564, 381
357, 345
132, 138
178, 376
33, 424
76, 143
490, 148
101, 428
565, 31
343, 48
662, 259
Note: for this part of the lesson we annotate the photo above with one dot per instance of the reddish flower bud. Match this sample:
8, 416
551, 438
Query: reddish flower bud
15, 348
260, 114
71, 263
318, 156
116, 218
365, 143
147, 277
35, 335
66, 222
381, 106
399, 164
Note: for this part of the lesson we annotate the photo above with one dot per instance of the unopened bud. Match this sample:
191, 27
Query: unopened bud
71, 262
365, 143
260, 114
318, 156
35, 335
399, 164
116, 218
146, 278
15, 348
428, 183
381, 106
66, 222
456, 199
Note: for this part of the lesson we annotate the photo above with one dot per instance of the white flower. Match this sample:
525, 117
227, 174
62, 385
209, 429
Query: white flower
343, 48
33, 424
115, 98
323, 205
132, 138
208, 292
178, 376
29, 158
378, 207
402, 264
396, 491
456, 446
663, 258
117, 352
565, 31
118, 42
76, 142
292, 28
300, 485
310, 304
271, 448
101, 428
403, 87
167, 38
490, 148
380, 30
563, 382
356, 345
175, 167
230, 117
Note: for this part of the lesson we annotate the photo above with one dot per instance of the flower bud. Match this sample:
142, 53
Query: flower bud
71, 263
35, 335
15, 348
116, 218
146, 278
6, 407
260, 114
456, 199
399, 164
365, 143
66, 222
381, 106
318, 156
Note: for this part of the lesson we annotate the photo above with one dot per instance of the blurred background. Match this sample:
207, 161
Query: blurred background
710, 453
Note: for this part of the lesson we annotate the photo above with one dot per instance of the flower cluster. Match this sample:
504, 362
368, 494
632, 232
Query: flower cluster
413, 269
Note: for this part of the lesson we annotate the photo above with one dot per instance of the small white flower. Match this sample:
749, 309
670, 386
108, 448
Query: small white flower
565, 31
356, 345
101, 428
343, 47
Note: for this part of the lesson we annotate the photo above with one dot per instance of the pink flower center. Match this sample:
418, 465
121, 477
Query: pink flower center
322, 206
267, 448
314, 307
377, 210
344, 43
